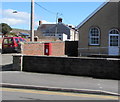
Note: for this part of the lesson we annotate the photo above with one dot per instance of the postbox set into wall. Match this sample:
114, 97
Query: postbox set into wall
47, 49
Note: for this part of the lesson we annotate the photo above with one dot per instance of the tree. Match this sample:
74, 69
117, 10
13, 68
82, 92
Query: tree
5, 28
13, 34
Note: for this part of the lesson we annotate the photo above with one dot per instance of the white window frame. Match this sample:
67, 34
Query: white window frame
90, 37
114, 34
114, 30
117, 35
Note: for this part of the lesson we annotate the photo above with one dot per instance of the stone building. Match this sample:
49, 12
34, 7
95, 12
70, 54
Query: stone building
100, 32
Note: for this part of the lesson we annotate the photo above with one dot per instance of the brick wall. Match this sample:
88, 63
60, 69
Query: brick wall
33, 49
37, 48
58, 49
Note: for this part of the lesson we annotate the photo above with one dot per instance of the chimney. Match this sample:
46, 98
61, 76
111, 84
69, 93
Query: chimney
70, 26
59, 20
40, 22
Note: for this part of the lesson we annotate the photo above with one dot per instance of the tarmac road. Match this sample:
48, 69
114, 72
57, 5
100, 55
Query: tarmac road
25, 94
60, 81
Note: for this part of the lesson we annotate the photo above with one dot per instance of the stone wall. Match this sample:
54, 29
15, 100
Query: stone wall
17, 62
105, 21
93, 67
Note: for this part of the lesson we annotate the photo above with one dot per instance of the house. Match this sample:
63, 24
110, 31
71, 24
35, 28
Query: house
60, 30
100, 32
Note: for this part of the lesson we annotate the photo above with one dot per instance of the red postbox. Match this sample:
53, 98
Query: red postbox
47, 49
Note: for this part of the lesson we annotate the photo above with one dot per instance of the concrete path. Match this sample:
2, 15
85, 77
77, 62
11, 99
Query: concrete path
58, 82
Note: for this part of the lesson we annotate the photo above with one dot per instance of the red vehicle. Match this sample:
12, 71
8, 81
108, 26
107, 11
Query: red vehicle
12, 44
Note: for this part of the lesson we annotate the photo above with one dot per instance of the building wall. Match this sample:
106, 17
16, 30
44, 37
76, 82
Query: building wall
72, 35
105, 19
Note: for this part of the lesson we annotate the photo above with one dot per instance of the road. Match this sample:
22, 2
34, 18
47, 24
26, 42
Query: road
54, 80
23, 94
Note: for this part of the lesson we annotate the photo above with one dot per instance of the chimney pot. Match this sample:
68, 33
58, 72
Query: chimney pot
59, 20
70, 26
40, 22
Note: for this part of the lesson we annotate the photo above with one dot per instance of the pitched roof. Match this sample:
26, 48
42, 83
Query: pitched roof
44, 27
25, 34
60, 28
92, 14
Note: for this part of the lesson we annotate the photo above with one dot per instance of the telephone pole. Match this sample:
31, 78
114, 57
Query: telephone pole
32, 21
56, 22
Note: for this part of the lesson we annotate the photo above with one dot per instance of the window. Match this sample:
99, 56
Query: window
113, 40
6, 41
114, 37
94, 36
17, 41
10, 41
114, 31
60, 39
21, 40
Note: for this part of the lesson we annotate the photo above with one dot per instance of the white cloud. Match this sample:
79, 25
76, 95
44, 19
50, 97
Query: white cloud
46, 22
18, 18
19, 15
43, 22
12, 21
36, 24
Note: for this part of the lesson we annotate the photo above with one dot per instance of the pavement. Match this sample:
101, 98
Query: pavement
55, 82
6, 62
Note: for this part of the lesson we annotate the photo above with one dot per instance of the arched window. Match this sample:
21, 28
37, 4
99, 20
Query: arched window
114, 37
114, 31
94, 36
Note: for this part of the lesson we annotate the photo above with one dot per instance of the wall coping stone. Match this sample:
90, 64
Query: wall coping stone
92, 58
44, 42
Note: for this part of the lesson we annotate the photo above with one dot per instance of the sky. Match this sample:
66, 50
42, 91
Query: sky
72, 12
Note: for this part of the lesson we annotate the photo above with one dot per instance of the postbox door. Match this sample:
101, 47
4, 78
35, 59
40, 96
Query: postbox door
47, 49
